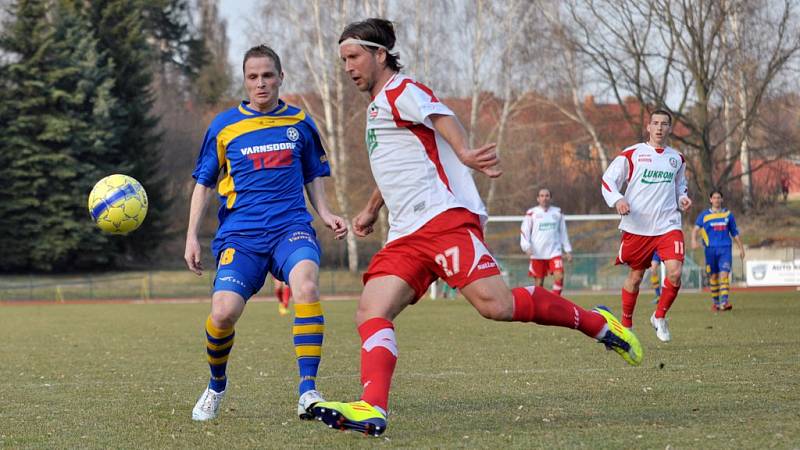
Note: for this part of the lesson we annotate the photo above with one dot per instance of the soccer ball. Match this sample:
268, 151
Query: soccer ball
118, 204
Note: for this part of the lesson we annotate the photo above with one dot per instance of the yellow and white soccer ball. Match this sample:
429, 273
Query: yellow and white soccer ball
118, 204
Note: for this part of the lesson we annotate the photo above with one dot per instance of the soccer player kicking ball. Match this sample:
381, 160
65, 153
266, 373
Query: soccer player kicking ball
651, 206
717, 226
420, 161
267, 152
543, 234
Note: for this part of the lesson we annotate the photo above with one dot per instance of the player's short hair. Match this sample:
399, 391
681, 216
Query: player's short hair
662, 112
544, 189
716, 191
263, 51
379, 31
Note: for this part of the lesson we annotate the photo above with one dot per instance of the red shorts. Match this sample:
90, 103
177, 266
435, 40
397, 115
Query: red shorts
637, 251
540, 268
450, 246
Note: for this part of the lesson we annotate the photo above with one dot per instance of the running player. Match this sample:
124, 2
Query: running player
655, 276
266, 151
420, 162
717, 226
651, 206
283, 293
543, 235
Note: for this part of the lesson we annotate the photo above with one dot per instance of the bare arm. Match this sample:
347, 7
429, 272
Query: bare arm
363, 222
483, 159
739, 244
695, 230
200, 199
316, 195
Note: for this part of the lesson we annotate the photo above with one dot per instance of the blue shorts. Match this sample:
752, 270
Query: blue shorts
656, 258
244, 271
718, 259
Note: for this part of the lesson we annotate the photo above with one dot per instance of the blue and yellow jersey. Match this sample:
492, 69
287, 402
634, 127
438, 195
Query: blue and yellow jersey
265, 160
717, 228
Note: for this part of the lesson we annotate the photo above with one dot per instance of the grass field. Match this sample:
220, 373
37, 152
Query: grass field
127, 376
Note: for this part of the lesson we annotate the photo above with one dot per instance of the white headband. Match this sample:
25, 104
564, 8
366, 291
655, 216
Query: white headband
352, 41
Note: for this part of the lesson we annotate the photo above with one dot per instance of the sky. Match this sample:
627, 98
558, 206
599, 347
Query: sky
238, 13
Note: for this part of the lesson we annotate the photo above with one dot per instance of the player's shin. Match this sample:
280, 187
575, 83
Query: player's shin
628, 306
724, 286
308, 331
668, 296
219, 343
558, 286
545, 308
378, 360
714, 286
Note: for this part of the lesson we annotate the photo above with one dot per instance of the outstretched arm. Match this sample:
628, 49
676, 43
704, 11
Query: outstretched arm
200, 199
483, 159
316, 195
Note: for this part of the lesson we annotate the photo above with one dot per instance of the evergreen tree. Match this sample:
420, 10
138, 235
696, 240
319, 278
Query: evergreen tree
56, 102
123, 42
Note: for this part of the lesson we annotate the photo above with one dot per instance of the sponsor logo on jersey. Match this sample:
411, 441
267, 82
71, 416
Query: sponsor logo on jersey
547, 226
644, 158
246, 151
292, 134
657, 176
269, 156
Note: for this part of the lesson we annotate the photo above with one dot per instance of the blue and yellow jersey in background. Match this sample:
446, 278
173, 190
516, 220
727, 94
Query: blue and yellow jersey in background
717, 228
265, 160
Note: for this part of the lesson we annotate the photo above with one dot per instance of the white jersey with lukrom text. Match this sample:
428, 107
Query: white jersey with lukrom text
656, 180
543, 233
417, 172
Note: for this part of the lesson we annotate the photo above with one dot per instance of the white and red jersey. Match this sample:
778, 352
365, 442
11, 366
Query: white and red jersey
656, 180
417, 172
544, 233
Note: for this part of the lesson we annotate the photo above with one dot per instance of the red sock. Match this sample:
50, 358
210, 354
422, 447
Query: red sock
668, 294
378, 358
545, 308
628, 305
279, 293
557, 287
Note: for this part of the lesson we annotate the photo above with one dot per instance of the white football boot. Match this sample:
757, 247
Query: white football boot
207, 406
306, 402
662, 330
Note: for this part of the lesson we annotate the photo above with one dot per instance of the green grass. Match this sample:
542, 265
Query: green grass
127, 376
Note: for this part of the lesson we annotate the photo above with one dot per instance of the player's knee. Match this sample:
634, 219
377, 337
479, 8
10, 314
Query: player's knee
306, 292
492, 307
635, 278
223, 318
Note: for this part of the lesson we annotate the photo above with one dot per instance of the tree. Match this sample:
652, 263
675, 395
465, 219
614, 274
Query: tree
123, 40
57, 134
674, 54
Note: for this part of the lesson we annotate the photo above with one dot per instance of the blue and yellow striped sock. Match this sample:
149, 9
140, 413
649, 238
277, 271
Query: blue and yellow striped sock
714, 285
724, 285
655, 282
219, 343
308, 331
